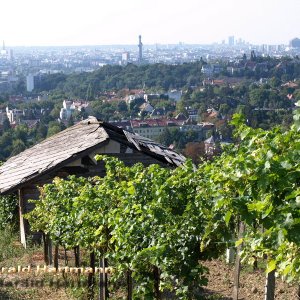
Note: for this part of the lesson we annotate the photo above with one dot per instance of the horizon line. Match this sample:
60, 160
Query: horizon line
150, 44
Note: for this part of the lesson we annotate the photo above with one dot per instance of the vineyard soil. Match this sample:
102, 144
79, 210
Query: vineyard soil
252, 284
17, 287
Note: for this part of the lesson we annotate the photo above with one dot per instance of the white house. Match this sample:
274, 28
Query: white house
69, 107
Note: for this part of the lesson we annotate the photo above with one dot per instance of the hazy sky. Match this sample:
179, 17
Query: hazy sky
100, 22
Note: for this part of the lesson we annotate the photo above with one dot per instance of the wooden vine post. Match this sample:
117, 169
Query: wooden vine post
237, 269
50, 251
77, 256
103, 289
270, 286
156, 276
56, 256
91, 277
47, 249
129, 284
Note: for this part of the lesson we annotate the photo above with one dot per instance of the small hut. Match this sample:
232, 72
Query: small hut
72, 152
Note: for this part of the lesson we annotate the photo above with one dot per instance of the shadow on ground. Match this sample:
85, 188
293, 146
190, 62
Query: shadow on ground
5, 295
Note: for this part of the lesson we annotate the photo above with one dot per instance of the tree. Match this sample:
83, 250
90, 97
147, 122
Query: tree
166, 138
53, 128
6, 125
8, 210
275, 82
18, 146
252, 56
195, 151
41, 131
21, 132
70, 121
224, 109
122, 106
258, 97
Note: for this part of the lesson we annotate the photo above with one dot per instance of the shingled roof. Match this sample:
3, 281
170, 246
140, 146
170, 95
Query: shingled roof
72, 144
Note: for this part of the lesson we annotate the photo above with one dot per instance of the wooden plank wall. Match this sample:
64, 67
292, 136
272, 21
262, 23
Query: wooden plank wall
31, 191
25, 194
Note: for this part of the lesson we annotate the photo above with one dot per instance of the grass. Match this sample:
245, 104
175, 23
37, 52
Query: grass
11, 248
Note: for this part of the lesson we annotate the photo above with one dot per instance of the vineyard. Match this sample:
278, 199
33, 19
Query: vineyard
156, 226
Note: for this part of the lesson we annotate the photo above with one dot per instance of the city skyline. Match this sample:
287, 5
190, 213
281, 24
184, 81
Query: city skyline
116, 22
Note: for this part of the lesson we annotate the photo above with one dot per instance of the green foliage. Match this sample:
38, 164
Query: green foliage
151, 220
297, 117
176, 137
6, 125
257, 182
54, 127
10, 248
8, 210
141, 219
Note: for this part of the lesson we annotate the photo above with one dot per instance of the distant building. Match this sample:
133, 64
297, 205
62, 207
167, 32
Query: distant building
29, 83
207, 70
158, 113
66, 111
153, 128
210, 146
125, 57
136, 94
174, 95
212, 113
14, 115
231, 40
70, 106
10, 54
149, 97
295, 43
193, 114
210, 70
146, 108
3, 50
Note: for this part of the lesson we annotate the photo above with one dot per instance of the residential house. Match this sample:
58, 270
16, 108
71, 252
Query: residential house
210, 70
193, 114
153, 128
158, 113
207, 70
210, 146
70, 106
174, 95
14, 115
146, 108
212, 113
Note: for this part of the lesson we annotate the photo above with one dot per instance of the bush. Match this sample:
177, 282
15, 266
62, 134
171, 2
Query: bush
8, 210
9, 245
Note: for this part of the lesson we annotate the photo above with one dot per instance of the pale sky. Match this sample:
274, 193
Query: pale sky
107, 22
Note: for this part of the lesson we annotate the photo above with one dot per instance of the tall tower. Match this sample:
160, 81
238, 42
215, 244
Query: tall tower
140, 45
3, 50
231, 40
29, 83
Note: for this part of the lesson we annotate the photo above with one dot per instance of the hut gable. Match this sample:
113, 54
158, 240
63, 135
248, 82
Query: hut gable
76, 147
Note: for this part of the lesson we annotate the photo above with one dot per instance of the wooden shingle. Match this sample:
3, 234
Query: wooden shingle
72, 144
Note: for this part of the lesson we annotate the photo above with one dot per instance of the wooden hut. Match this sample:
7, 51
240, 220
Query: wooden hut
72, 152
